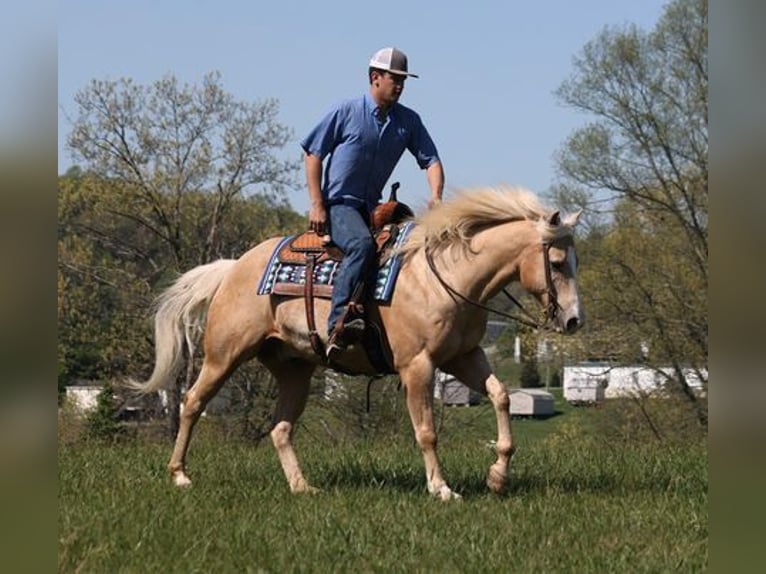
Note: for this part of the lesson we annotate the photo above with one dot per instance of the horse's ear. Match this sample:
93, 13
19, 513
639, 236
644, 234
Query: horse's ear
554, 218
571, 219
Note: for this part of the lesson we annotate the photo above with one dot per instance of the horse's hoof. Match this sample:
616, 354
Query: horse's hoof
496, 487
452, 495
180, 479
305, 488
308, 490
444, 492
496, 481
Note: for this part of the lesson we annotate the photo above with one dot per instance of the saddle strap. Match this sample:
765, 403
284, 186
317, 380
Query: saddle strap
308, 291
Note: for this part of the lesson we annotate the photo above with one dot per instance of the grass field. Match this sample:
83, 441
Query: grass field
576, 503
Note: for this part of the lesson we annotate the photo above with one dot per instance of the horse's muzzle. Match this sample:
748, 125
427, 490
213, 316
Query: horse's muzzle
572, 324
569, 323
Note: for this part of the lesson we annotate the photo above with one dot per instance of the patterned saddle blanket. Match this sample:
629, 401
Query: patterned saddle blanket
285, 273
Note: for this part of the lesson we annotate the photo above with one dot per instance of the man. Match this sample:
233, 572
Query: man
364, 139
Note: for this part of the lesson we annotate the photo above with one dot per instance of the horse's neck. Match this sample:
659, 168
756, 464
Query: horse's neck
493, 261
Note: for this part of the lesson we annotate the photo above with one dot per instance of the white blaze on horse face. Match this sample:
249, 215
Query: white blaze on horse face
572, 261
563, 261
572, 309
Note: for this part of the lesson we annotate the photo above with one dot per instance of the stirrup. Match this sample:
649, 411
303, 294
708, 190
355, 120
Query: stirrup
354, 328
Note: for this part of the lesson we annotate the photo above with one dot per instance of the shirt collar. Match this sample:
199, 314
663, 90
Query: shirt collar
373, 106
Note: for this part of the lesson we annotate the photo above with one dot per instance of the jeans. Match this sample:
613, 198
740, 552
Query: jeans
350, 232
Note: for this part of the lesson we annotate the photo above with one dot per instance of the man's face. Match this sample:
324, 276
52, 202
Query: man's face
388, 87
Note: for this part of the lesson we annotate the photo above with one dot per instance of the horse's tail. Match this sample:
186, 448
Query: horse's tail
179, 320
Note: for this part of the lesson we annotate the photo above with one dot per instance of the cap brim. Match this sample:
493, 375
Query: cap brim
400, 73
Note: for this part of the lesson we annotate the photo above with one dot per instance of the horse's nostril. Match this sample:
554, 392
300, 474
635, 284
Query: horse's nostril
572, 324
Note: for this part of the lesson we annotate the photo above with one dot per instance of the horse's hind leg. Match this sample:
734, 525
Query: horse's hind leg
474, 371
293, 380
209, 381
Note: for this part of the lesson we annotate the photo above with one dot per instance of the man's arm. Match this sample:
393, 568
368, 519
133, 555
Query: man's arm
435, 177
317, 211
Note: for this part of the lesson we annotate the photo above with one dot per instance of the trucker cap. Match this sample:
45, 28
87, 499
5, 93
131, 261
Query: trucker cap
391, 60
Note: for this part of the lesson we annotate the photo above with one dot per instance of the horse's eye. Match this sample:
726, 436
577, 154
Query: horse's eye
558, 265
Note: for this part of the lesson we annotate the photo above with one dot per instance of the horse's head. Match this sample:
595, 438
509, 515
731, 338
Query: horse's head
543, 259
548, 271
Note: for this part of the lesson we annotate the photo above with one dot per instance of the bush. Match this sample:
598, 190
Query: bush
71, 425
354, 408
248, 414
102, 423
530, 376
654, 418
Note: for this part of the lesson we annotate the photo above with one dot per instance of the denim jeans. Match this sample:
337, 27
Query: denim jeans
350, 232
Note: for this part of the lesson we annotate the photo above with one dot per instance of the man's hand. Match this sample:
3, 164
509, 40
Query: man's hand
317, 211
318, 218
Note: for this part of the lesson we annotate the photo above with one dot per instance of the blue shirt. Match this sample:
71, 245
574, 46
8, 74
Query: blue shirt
364, 151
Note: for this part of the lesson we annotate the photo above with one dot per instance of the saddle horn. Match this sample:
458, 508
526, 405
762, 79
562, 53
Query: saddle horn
394, 187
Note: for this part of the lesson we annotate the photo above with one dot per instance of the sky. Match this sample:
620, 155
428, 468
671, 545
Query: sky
488, 69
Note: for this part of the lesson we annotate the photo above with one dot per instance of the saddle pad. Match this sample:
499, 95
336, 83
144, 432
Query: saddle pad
281, 278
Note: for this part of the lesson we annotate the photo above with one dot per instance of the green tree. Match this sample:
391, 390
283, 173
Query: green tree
648, 141
172, 176
111, 268
104, 287
644, 156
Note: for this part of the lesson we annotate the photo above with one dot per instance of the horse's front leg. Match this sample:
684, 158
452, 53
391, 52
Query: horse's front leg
417, 379
473, 370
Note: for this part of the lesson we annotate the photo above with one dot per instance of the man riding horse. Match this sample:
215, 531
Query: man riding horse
364, 138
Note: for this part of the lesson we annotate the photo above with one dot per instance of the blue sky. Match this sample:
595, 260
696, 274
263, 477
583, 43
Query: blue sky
487, 69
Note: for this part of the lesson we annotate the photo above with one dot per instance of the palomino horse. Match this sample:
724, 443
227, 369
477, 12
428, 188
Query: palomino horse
459, 255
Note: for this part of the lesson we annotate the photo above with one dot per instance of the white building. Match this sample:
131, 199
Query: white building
531, 403
83, 398
453, 392
592, 382
586, 393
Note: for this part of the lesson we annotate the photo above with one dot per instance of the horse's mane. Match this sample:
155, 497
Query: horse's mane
457, 220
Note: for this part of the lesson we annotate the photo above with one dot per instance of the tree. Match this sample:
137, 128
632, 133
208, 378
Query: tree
166, 143
101, 289
110, 269
644, 155
172, 176
649, 142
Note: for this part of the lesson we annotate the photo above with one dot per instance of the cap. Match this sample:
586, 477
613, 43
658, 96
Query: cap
391, 60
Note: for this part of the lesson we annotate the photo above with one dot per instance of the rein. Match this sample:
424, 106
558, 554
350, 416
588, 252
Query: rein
528, 320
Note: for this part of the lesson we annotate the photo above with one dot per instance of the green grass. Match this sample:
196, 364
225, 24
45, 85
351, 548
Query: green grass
574, 504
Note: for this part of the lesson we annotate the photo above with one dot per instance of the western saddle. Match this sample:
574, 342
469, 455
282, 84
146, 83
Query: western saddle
309, 249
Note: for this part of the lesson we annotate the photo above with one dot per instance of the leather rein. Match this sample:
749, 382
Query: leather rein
551, 310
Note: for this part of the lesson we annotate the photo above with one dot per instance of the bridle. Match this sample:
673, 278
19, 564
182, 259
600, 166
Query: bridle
551, 310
